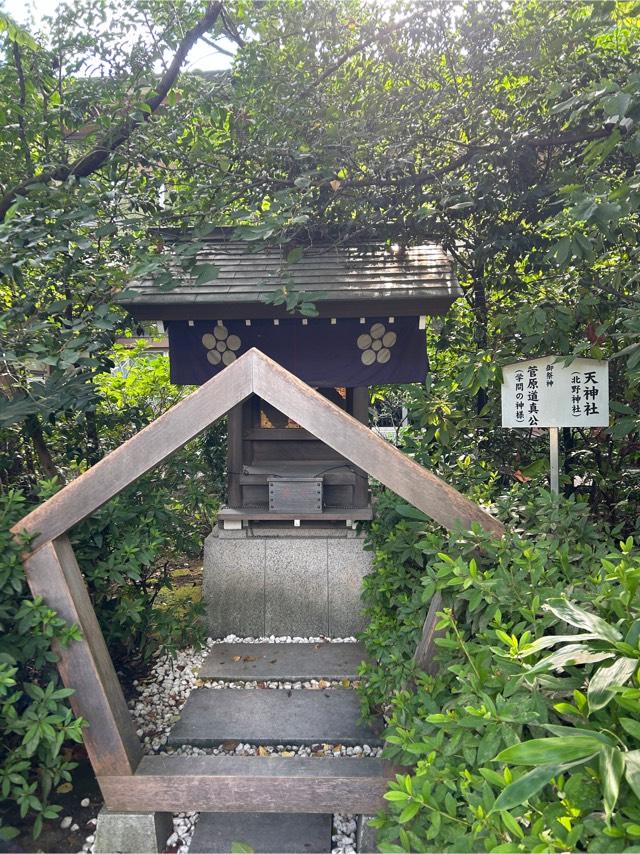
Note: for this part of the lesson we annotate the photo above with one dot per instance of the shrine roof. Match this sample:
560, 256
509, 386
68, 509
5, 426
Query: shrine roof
350, 279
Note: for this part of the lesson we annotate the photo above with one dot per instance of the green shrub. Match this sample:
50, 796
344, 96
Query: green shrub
461, 730
35, 720
127, 551
128, 548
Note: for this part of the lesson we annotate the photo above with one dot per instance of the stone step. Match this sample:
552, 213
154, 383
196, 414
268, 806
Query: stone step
284, 662
272, 716
262, 832
271, 784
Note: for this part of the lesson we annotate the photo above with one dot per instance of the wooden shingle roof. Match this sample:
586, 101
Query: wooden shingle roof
352, 279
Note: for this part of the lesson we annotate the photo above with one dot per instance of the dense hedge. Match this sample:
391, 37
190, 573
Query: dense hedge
35, 720
528, 737
127, 552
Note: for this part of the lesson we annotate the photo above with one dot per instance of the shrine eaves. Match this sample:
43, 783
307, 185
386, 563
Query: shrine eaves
369, 329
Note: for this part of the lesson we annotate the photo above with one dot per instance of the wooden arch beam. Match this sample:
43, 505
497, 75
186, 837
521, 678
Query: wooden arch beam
143, 452
258, 374
375, 455
53, 573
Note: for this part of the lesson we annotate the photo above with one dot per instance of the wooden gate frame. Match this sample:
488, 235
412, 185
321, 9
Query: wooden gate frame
52, 572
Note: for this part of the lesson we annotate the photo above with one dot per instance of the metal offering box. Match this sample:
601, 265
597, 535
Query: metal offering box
295, 494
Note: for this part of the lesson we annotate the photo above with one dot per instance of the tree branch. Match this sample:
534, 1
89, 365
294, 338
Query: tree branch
231, 30
94, 159
22, 103
352, 52
428, 175
218, 48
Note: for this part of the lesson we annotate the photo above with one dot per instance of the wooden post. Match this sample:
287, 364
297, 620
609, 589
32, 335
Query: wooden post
424, 654
234, 455
360, 410
360, 398
554, 463
110, 738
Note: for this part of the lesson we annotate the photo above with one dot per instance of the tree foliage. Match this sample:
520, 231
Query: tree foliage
507, 132
527, 736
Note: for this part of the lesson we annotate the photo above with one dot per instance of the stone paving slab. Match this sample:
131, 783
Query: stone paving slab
263, 832
284, 662
272, 716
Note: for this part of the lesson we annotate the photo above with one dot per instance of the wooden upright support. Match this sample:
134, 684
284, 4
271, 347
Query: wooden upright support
110, 738
234, 455
424, 654
360, 404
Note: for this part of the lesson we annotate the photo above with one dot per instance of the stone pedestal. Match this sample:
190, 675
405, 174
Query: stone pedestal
284, 581
132, 832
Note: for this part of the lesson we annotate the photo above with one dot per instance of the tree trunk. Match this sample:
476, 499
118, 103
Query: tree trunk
34, 432
480, 335
94, 449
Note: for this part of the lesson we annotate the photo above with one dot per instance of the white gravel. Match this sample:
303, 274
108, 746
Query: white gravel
162, 695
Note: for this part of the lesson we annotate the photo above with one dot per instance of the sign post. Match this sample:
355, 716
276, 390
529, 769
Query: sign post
546, 393
554, 460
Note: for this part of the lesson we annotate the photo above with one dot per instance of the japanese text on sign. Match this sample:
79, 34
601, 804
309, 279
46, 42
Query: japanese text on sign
545, 393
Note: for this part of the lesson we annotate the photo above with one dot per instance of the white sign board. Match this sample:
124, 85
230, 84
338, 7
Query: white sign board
545, 393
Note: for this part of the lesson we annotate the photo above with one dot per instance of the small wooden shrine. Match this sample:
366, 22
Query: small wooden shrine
369, 331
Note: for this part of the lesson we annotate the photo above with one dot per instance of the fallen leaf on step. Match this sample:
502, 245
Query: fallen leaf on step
345, 683
324, 684
287, 753
249, 658
262, 751
236, 658
230, 745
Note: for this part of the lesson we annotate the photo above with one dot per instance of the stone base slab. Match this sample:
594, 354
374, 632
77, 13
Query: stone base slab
132, 832
282, 662
284, 581
264, 833
274, 716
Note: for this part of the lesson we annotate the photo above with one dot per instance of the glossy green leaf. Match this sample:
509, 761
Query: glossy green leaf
581, 619
606, 679
631, 726
543, 751
525, 787
632, 770
409, 812
612, 764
